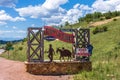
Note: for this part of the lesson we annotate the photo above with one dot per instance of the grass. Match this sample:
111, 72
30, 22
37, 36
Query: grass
21, 55
105, 58
81, 24
2, 45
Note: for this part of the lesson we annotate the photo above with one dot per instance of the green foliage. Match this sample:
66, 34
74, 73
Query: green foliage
20, 48
116, 13
97, 15
108, 15
101, 19
104, 28
96, 30
105, 58
100, 29
24, 40
114, 19
8, 46
93, 17
81, 19
88, 18
66, 23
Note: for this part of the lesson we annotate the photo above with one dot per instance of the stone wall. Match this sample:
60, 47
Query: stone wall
55, 68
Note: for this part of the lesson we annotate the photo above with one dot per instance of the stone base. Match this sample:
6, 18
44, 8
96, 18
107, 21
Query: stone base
56, 68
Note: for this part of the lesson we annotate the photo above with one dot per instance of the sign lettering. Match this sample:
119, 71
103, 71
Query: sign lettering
82, 52
50, 31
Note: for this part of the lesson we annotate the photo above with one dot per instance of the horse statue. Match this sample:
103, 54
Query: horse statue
64, 53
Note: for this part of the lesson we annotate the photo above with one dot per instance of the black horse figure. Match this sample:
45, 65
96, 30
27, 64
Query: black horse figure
64, 53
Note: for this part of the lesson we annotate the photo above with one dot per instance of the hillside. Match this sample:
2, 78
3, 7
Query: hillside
105, 58
93, 19
103, 22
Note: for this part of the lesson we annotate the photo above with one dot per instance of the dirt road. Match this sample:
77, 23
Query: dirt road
15, 70
103, 22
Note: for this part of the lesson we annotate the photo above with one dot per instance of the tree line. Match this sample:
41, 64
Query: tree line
96, 16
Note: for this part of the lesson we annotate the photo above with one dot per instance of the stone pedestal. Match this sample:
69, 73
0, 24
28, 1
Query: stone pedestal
56, 68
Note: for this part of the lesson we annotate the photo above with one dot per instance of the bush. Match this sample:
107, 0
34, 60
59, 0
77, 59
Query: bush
105, 28
95, 30
101, 29
114, 19
8, 46
101, 19
108, 17
20, 48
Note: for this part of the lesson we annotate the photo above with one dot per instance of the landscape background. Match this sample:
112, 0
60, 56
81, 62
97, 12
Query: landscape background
104, 36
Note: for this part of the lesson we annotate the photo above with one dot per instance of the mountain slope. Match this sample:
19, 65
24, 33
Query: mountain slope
106, 57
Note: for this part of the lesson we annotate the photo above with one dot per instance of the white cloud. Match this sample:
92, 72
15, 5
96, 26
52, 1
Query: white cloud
18, 19
45, 10
51, 12
2, 23
32, 11
52, 4
53, 20
8, 3
117, 7
19, 36
6, 26
76, 5
20, 31
14, 27
1, 33
12, 34
72, 15
106, 5
76, 12
6, 31
6, 17
13, 37
85, 7
12, 31
33, 25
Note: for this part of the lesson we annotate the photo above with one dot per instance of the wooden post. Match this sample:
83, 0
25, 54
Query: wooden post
28, 43
39, 43
42, 45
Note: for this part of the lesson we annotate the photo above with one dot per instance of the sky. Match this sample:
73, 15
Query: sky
17, 15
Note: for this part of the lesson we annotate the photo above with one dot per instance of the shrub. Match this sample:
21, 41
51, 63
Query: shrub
108, 17
100, 29
101, 19
95, 30
20, 48
105, 28
114, 19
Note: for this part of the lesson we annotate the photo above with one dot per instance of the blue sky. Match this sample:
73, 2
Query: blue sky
17, 15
